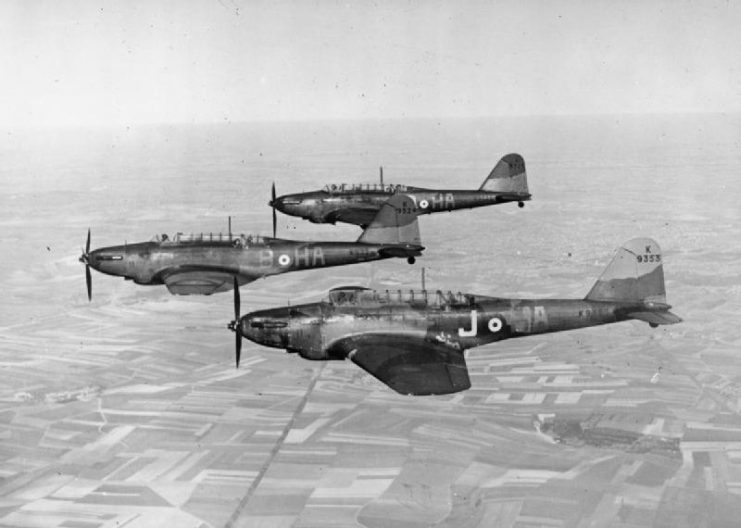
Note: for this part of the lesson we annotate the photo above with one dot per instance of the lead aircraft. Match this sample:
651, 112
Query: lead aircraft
207, 264
358, 203
414, 341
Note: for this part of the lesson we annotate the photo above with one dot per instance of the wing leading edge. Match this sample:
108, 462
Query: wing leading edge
409, 365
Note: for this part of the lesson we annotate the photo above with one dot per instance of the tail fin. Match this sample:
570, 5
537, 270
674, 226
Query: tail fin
508, 176
395, 223
634, 274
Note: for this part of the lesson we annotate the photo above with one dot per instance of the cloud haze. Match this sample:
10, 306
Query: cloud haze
83, 62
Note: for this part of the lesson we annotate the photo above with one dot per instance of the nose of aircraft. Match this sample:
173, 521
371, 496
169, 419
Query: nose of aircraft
279, 203
107, 260
286, 204
267, 328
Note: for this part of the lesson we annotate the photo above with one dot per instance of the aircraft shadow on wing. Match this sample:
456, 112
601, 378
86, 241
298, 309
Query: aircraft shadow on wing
358, 203
208, 263
414, 341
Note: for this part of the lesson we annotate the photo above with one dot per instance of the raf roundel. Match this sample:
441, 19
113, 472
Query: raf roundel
424, 204
495, 325
284, 260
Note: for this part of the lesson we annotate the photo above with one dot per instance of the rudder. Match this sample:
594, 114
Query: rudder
507, 176
395, 223
634, 274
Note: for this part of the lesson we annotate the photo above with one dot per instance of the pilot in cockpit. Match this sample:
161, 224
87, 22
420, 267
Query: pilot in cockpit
164, 237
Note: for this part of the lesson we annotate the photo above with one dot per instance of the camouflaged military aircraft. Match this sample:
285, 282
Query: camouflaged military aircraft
358, 203
206, 264
414, 341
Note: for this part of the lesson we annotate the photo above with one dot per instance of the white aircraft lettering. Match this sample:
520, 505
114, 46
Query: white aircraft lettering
534, 317
302, 257
266, 258
494, 325
318, 257
474, 326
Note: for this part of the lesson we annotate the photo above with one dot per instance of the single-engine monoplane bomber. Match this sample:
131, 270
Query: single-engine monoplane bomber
358, 203
208, 263
414, 341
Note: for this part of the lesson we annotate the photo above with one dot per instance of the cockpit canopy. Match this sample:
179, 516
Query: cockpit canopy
364, 296
340, 188
210, 238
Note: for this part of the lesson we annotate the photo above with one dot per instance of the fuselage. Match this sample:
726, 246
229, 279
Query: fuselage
149, 263
325, 206
458, 321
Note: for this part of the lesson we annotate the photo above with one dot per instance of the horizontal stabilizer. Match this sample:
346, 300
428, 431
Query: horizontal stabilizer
656, 318
399, 251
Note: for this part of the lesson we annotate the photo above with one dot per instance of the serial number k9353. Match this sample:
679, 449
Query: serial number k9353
648, 258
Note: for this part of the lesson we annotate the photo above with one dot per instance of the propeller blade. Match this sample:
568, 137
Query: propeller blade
275, 218
237, 333
236, 299
89, 282
85, 259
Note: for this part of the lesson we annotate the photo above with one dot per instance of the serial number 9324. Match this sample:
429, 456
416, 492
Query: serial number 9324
648, 258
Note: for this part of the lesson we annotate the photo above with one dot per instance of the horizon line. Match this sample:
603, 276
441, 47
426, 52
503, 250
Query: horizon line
227, 122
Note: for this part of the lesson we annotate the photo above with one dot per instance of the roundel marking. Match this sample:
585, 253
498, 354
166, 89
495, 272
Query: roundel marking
424, 204
284, 260
495, 325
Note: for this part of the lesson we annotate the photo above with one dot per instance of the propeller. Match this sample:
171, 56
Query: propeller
275, 218
85, 259
234, 325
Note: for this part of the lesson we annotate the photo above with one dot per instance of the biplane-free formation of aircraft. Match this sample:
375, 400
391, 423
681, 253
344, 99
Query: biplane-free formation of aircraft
359, 203
414, 341
207, 264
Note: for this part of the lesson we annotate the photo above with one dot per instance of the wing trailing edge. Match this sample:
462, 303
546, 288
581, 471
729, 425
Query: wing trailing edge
395, 223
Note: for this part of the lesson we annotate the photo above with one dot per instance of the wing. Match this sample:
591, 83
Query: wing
201, 282
357, 214
409, 365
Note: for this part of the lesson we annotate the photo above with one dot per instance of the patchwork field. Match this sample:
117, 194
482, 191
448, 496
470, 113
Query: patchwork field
128, 411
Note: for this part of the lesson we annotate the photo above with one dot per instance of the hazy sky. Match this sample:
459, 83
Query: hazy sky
129, 62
